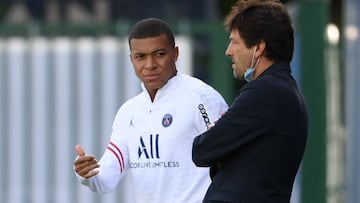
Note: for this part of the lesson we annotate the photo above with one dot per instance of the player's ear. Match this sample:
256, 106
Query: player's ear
176, 53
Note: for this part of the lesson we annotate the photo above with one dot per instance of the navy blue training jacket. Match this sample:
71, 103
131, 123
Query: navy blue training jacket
255, 149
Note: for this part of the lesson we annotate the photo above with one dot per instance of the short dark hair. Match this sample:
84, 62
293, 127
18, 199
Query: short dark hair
151, 27
264, 20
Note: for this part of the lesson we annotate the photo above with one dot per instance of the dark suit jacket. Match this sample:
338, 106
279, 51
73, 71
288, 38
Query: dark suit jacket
256, 147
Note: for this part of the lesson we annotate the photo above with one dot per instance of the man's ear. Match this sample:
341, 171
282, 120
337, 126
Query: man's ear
260, 48
176, 53
130, 57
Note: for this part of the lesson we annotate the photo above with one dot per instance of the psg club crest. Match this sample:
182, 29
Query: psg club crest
167, 120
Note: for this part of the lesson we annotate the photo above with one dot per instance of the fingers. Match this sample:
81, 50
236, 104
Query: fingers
218, 119
79, 150
92, 173
85, 165
89, 171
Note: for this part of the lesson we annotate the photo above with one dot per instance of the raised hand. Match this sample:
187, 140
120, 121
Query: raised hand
86, 166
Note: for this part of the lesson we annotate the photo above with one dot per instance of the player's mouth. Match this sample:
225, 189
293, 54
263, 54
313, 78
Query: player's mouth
151, 76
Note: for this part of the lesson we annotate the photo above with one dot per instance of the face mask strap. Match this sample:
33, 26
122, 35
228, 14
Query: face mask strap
257, 62
252, 59
249, 72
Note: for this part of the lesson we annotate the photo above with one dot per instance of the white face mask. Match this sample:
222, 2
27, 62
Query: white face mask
248, 75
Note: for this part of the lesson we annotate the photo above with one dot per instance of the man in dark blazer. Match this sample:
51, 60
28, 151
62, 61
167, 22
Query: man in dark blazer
255, 149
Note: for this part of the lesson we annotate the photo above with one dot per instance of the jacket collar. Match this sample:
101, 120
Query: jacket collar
277, 66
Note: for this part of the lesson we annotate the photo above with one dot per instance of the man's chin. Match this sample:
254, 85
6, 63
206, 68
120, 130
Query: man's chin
238, 76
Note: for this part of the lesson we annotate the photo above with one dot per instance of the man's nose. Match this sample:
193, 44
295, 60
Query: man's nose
228, 52
150, 62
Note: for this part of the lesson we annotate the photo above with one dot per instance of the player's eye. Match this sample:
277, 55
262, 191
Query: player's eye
139, 56
160, 53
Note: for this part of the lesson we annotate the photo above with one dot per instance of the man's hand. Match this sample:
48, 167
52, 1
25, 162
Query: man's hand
216, 120
86, 166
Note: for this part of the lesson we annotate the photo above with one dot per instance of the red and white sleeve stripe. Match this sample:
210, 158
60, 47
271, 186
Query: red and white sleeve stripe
118, 154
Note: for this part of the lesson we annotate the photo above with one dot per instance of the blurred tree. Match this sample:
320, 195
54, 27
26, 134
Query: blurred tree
4, 7
225, 6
